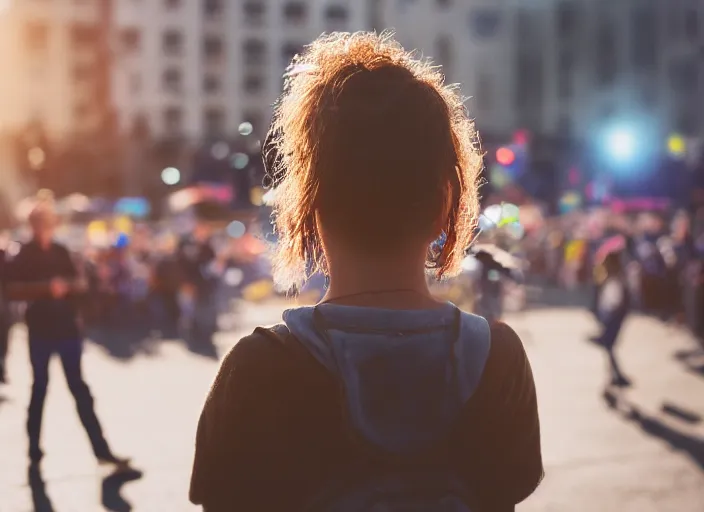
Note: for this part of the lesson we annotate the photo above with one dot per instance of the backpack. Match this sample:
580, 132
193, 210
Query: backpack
383, 481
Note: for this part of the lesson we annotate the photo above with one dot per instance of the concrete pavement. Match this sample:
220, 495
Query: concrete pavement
637, 457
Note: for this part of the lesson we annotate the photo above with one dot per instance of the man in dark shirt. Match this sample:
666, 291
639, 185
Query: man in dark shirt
43, 275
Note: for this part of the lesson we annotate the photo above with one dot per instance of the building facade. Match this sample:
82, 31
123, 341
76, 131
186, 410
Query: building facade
193, 70
54, 69
198, 69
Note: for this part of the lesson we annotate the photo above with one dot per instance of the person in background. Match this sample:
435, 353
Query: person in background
43, 275
166, 281
380, 397
613, 305
197, 258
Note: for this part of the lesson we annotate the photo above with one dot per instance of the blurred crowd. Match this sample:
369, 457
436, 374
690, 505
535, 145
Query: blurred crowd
662, 256
156, 280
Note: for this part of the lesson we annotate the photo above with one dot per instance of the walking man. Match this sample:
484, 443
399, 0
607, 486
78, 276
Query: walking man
43, 275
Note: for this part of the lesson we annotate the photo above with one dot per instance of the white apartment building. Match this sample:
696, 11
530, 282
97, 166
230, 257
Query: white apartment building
199, 68
195, 68
563, 67
51, 65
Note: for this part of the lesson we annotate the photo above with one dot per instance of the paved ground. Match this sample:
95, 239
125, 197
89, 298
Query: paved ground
596, 458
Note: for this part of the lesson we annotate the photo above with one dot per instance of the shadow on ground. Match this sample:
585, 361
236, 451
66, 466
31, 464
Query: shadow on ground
692, 446
111, 497
693, 360
127, 342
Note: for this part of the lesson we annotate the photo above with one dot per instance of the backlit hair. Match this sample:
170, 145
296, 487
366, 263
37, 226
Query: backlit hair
369, 138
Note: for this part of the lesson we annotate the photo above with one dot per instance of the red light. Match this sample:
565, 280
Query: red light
520, 137
505, 156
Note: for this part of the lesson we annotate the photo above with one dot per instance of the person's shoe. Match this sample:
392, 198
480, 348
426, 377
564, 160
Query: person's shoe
621, 382
118, 463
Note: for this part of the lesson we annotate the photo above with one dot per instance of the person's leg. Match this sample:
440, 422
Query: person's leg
39, 356
609, 338
4, 341
71, 352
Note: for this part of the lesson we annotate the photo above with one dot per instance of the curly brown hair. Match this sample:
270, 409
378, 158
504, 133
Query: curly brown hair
370, 140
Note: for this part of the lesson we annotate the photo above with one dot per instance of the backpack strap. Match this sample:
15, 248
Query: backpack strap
281, 334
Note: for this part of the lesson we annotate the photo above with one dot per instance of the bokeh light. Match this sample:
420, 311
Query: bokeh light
505, 156
676, 145
220, 150
236, 229
246, 128
621, 145
233, 276
520, 137
240, 160
171, 176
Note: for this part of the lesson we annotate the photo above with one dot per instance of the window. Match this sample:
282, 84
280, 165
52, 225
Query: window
606, 56
289, 51
254, 51
212, 7
564, 75
484, 22
673, 25
295, 12
85, 35
253, 84
336, 14
484, 91
173, 120
213, 46
172, 80
254, 12
691, 23
173, 4
36, 36
214, 119
566, 18
211, 84
684, 77
172, 41
528, 92
140, 127
131, 39
644, 44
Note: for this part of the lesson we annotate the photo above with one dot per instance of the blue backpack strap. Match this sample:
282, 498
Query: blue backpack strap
472, 348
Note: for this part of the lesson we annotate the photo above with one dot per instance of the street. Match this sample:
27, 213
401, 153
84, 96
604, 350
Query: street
645, 454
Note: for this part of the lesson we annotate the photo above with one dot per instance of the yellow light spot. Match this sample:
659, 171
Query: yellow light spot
676, 145
256, 196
